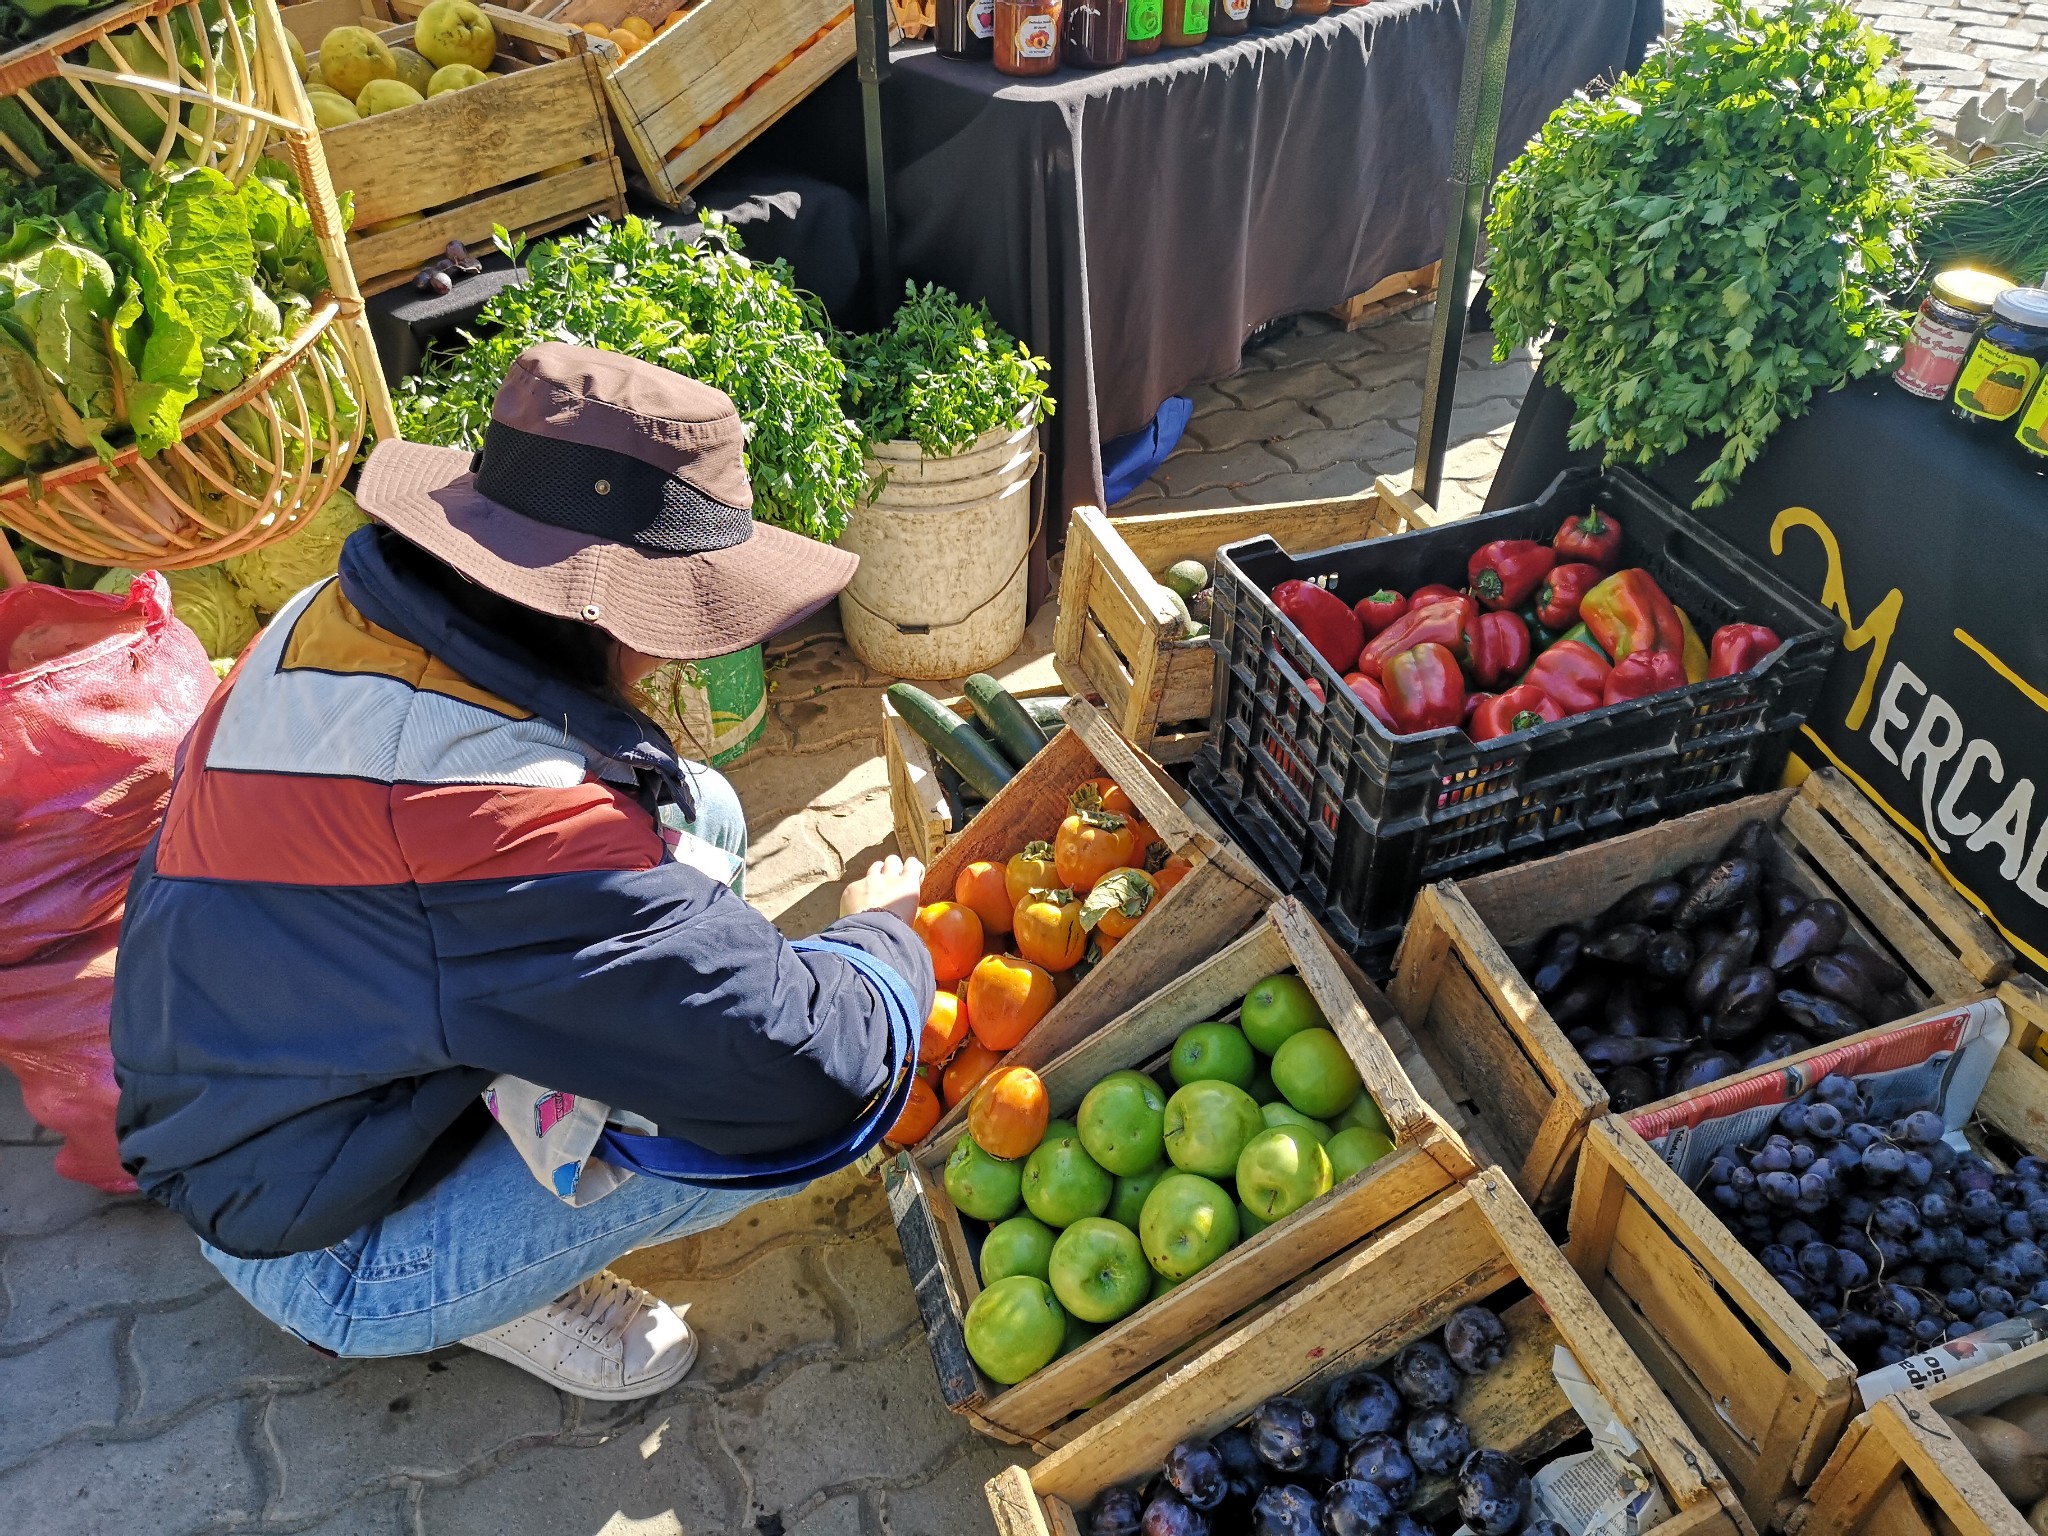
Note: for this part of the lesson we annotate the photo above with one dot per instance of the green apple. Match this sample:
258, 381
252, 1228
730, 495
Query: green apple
1212, 1052
1160, 1286
1188, 1224
1278, 1007
1099, 1271
984, 1187
1062, 1183
1249, 1223
1261, 1087
1127, 1200
1280, 1170
1284, 1113
1015, 1327
1020, 1246
1314, 1074
1207, 1125
1363, 1112
1078, 1333
1122, 1122
1354, 1149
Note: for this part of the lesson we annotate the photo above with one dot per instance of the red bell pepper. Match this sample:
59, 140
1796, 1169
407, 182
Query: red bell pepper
1379, 610
1572, 673
1425, 690
1516, 710
1324, 619
1432, 592
1442, 623
1629, 612
1472, 703
1372, 696
1557, 600
1594, 538
1502, 574
1315, 688
1584, 636
1738, 647
1640, 674
1496, 648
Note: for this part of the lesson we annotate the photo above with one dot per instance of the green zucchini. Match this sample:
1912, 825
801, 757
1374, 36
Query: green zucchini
954, 739
1015, 733
1045, 710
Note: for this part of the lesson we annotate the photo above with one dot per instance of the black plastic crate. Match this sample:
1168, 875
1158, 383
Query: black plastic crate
1355, 820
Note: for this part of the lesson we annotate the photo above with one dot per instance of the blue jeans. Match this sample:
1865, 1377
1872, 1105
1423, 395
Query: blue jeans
487, 1243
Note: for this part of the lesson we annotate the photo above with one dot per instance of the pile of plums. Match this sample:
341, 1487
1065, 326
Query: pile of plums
1890, 1238
1351, 1466
1717, 969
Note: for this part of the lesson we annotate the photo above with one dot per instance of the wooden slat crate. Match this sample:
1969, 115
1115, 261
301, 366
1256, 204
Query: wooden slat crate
713, 81
530, 152
1118, 638
1363, 1307
923, 816
1394, 295
1428, 1159
1900, 1471
1760, 1383
1497, 1045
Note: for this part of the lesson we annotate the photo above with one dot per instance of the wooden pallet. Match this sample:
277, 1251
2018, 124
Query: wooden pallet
1900, 1471
1357, 1311
1428, 1159
1497, 1045
1394, 295
1765, 1390
530, 152
1119, 639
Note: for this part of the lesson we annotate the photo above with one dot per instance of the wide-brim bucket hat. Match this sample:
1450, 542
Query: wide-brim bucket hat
614, 491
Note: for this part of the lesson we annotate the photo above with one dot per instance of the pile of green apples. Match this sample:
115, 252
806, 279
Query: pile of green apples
1158, 1175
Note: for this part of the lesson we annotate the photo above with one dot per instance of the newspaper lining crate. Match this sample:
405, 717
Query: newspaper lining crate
1760, 1383
1364, 1306
530, 152
1428, 1159
1900, 1470
1455, 981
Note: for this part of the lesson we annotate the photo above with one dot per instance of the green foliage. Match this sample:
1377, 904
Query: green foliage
1715, 240
704, 310
942, 374
1993, 215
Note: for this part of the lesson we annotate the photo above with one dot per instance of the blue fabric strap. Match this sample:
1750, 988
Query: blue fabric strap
684, 1162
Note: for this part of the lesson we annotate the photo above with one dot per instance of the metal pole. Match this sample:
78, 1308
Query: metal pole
871, 31
1490, 28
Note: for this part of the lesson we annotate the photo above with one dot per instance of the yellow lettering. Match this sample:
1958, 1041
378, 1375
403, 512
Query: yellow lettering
1834, 593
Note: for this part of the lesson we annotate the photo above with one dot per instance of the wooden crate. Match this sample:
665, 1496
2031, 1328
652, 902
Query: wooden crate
1900, 1471
1428, 1159
1390, 296
707, 86
530, 152
1118, 638
1761, 1385
1365, 1306
1497, 1045
918, 806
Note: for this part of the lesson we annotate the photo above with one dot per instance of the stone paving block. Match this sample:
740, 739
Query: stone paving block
1316, 339
1267, 424
1507, 382
422, 1416
953, 1502
192, 1477
17, 1125
1379, 444
876, 1302
825, 661
61, 1388
35, 1201
859, 832
1223, 496
748, 1319
128, 1255
383, 1514
1403, 364
832, 715
785, 863
1397, 403
220, 1347
1208, 400
1186, 473
784, 784
1345, 479
839, 1208
2008, 69
1255, 390
840, 1516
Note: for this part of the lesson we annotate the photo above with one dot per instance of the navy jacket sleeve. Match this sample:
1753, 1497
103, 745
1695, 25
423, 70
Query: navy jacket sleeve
663, 993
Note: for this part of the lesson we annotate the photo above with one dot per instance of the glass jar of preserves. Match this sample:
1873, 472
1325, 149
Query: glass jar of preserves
1187, 22
1272, 13
2005, 357
1228, 18
1955, 305
1145, 30
1097, 33
1028, 36
1305, 10
965, 29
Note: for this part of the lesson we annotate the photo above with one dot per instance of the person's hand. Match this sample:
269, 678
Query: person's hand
890, 885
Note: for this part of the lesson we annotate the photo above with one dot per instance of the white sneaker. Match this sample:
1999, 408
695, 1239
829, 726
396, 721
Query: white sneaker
605, 1340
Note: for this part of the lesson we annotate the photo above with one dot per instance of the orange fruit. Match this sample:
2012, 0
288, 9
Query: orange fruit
1049, 932
639, 26
1028, 871
944, 1028
1005, 998
953, 934
1088, 846
1133, 891
963, 1074
598, 29
1171, 873
1008, 1113
1102, 795
920, 1113
985, 888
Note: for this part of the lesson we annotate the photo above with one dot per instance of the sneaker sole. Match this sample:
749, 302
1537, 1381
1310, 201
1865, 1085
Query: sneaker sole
484, 1344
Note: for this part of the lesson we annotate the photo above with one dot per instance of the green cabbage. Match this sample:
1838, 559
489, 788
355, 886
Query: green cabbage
209, 603
58, 294
272, 575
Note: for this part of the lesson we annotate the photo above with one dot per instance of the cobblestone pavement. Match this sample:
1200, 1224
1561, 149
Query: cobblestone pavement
146, 1400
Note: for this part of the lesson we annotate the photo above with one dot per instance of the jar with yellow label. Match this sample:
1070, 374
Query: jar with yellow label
2005, 358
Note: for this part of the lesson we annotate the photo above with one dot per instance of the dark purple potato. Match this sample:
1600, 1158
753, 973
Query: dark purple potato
1475, 1339
1116, 1512
1362, 1404
1281, 1428
1354, 1508
1493, 1492
1424, 1376
1437, 1441
1384, 1462
1285, 1510
1196, 1473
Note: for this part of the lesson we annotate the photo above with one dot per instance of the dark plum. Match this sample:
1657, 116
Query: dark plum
1477, 1340
1116, 1512
1171, 1515
1883, 1162
1234, 1447
1921, 1128
1281, 1428
1197, 1473
1285, 1509
1363, 1403
1493, 1492
1408, 1525
1424, 1376
1383, 1461
1325, 1462
1437, 1441
1354, 1508
1544, 1528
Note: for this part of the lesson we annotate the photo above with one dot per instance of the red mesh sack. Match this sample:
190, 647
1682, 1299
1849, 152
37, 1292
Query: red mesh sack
96, 693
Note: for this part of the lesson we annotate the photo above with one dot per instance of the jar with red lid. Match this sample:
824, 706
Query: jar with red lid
1028, 36
1146, 28
1097, 33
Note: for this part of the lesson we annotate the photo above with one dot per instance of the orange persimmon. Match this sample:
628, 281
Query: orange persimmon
920, 1113
1119, 899
1048, 929
945, 1027
984, 887
1027, 871
970, 1064
953, 934
1102, 795
1088, 846
1007, 1115
1005, 998
1171, 873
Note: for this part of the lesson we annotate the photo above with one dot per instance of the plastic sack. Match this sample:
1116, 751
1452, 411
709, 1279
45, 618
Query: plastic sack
97, 691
